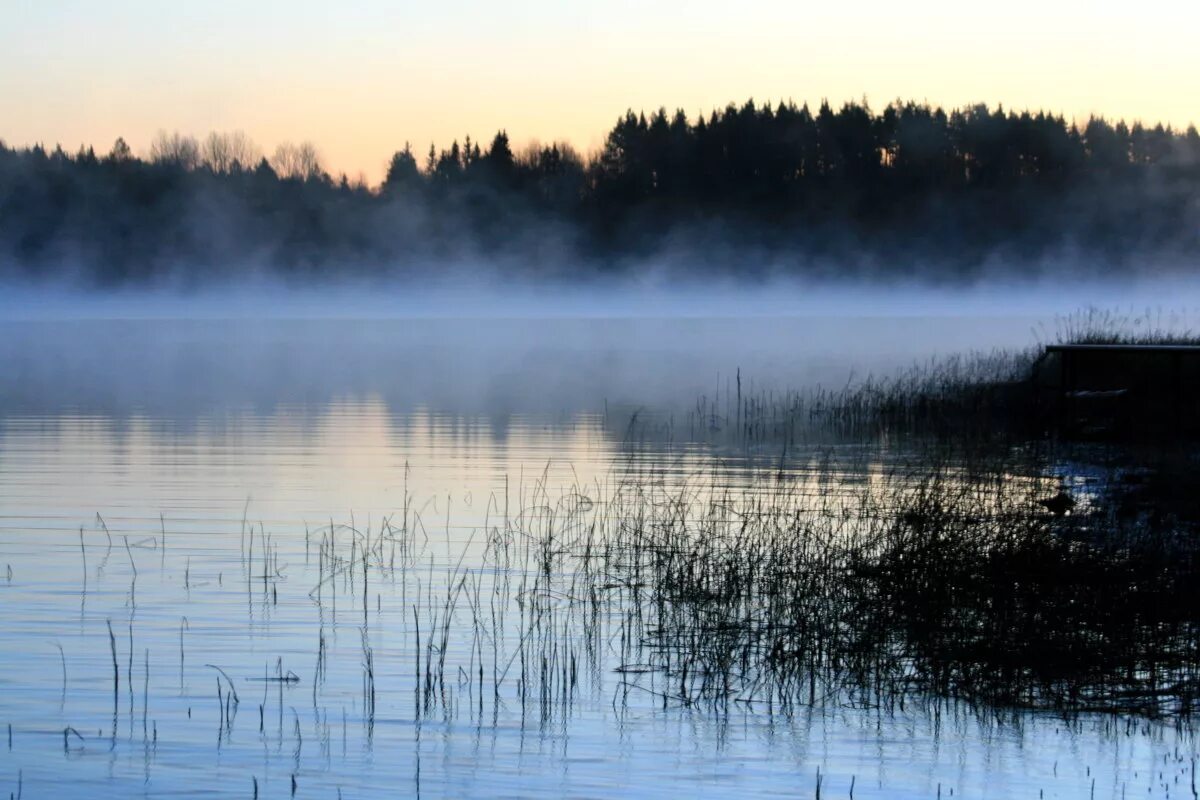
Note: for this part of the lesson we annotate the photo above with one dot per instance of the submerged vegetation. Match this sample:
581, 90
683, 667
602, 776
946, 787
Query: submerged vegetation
872, 192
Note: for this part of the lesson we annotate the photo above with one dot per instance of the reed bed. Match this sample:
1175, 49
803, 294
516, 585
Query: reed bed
944, 577
948, 584
973, 397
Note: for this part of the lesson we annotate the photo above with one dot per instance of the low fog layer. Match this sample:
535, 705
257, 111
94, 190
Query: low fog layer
510, 348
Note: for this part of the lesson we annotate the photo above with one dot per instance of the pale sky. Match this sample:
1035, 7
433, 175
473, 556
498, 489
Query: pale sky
361, 78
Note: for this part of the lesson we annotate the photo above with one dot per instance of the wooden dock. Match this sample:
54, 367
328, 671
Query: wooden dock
1119, 390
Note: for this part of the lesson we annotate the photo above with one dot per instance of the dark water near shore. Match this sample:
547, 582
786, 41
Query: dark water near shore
135, 456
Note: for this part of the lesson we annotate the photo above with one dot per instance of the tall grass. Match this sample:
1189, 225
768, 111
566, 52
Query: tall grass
940, 578
950, 582
1113, 326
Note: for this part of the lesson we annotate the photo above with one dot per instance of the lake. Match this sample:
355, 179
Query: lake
293, 557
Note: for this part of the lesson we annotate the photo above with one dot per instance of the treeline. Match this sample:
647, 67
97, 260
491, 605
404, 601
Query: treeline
913, 188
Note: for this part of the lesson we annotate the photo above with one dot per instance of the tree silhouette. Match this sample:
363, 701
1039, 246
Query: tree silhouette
402, 173
175, 150
229, 152
120, 151
912, 186
299, 162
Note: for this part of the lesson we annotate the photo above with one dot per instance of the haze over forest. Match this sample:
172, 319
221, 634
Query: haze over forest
754, 189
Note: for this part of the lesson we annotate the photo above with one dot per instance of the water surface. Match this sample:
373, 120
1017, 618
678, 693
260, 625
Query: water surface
183, 483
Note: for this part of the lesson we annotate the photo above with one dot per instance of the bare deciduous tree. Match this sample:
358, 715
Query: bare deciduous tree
229, 151
175, 149
299, 161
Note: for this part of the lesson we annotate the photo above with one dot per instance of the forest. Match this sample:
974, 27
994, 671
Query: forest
748, 190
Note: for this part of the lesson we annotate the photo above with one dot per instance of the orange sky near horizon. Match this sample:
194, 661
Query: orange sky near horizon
363, 78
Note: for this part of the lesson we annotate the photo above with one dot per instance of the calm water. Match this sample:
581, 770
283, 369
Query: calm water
187, 484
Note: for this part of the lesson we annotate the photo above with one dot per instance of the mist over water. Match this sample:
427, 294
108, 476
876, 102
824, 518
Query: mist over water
481, 346
482, 290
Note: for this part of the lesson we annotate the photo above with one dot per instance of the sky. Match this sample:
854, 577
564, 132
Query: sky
359, 79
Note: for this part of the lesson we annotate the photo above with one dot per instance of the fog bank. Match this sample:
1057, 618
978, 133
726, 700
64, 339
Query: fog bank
507, 348
479, 295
